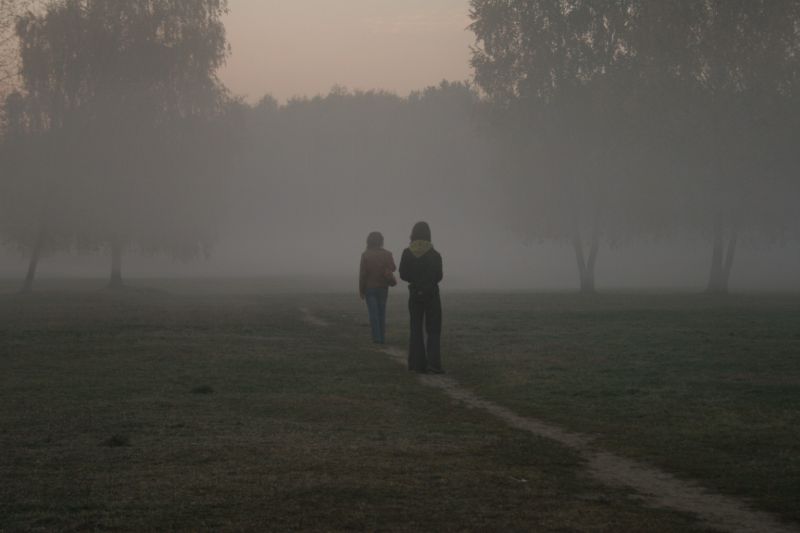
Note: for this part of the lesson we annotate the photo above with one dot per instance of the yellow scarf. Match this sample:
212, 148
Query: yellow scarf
420, 248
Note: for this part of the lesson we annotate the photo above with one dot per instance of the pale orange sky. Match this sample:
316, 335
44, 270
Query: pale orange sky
304, 47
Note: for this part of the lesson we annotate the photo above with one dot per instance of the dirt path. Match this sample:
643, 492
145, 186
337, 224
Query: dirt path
312, 320
654, 486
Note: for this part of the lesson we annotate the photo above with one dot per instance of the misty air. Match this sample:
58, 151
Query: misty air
451, 265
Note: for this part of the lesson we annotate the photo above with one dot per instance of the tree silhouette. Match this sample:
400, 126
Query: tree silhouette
746, 61
643, 117
125, 78
562, 74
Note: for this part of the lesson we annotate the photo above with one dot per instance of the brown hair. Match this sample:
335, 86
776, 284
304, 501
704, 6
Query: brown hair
374, 240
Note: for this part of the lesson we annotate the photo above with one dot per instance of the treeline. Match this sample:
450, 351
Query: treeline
334, 167
120, 138
646, 119
590, 122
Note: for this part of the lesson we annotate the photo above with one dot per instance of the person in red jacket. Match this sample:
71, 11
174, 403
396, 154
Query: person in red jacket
376, 275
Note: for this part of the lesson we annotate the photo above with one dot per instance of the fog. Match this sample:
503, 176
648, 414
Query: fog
163, 157
544, 267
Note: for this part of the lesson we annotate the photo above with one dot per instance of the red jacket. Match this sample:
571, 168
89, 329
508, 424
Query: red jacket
376, 264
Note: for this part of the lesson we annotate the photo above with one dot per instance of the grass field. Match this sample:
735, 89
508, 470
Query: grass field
200, 410
708, 388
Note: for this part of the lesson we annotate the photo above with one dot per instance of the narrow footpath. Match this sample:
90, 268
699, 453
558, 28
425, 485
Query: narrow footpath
653, 486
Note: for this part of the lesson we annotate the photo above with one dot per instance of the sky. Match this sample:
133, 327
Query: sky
304, 47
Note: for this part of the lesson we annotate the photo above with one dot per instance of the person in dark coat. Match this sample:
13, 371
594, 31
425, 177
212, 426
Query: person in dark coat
421, 267
376, 275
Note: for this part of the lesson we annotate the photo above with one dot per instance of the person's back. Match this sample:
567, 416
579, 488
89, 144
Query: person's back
375, 262
375, 276
421, 267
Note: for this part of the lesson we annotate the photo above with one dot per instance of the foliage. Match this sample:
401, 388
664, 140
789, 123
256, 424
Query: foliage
640, 118
126, 94
317, 169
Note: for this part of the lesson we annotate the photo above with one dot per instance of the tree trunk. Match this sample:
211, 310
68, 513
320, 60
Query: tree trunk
577, 243
586, 265
722, 257
588, 284
729, 255
716, 283
116, 265
36, 253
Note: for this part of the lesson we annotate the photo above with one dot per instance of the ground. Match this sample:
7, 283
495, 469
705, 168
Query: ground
174, 408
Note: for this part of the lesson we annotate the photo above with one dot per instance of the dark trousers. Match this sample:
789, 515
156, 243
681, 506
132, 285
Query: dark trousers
424, 355
376, 307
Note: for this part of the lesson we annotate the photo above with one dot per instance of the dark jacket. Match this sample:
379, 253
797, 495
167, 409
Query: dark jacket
421, 266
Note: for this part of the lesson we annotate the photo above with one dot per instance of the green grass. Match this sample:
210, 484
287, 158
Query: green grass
705, 387
145, 410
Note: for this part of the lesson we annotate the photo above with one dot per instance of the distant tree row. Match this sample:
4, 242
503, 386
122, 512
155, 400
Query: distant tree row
120, 137
631, 119
598, 122
354, 160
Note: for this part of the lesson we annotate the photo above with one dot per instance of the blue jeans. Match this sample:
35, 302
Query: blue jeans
376, 305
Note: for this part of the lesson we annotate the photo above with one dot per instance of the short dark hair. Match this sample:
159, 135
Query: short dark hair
421, 232
374, 240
